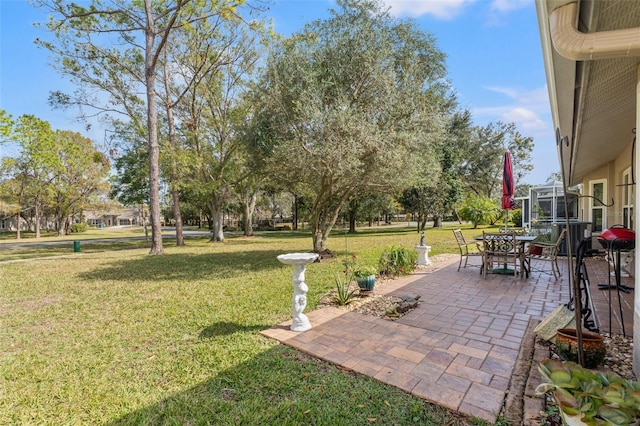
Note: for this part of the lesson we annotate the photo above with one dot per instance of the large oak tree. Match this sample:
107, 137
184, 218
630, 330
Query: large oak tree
356, 102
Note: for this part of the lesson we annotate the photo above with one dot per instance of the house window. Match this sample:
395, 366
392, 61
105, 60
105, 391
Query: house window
598, 211
627, 200
3, 224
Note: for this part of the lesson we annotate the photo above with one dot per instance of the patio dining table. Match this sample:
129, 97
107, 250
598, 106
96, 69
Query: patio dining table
523, 240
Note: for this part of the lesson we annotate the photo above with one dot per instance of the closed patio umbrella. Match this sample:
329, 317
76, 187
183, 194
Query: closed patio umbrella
508, 187
508, 200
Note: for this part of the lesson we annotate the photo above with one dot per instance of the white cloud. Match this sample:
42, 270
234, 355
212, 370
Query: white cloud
512, 93
526, 119
505, 6
537, 96
441, 9
529, 110
450, 9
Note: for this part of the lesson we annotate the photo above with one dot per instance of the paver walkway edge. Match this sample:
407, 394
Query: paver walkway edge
458, 348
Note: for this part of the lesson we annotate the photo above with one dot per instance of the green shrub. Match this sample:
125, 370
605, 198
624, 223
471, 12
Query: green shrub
77, 228
480, 210
516, 218
397, 260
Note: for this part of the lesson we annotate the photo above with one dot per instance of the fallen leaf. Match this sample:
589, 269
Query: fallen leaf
387, 402
372, 419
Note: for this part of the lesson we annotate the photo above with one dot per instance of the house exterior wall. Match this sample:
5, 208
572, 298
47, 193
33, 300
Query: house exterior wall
586, 203
636, 332
636, 189
614, 173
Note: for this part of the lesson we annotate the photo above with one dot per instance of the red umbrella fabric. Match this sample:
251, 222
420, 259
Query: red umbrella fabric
508, 186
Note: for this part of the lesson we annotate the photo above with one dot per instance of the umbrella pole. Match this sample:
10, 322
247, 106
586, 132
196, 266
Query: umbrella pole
506, 221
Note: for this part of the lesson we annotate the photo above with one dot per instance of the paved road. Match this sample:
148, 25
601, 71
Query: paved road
166, 233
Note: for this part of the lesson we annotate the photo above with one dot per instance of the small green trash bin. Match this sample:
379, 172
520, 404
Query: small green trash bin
76, 246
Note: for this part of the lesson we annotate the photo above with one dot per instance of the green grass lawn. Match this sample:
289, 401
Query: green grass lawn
115, 336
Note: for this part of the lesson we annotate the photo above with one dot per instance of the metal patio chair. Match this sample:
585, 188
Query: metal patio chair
466, 249
546, 252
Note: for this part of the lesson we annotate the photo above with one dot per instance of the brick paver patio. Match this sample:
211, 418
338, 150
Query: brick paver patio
458, 348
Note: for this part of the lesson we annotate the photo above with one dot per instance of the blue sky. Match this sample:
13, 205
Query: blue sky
494, 62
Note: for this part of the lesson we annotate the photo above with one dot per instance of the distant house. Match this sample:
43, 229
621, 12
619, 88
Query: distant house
120, 217
9, 222
94, 218
591, 52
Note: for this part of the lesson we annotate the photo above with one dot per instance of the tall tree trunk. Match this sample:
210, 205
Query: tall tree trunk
18, 224
152, 126
60, 226
324, 215
217, 219
322, 223
352, 221
173, 174
146, 230
248, 205
177, 213
294, 213
437, 222
317, 237
37, 221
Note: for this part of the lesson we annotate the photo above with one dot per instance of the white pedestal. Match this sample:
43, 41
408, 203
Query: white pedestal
423, 255
299, 260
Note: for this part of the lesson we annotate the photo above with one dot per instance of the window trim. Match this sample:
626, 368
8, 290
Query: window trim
602, 207
628, 198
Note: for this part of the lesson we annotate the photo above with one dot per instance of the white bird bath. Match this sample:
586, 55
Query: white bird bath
299, 260
423, 255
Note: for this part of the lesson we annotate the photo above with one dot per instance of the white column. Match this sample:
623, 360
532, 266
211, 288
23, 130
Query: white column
636, 310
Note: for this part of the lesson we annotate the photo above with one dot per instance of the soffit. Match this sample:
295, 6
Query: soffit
605, 106
593, 102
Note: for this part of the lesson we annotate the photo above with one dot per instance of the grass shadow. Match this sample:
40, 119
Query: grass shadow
282, 386
226, 328
186, 266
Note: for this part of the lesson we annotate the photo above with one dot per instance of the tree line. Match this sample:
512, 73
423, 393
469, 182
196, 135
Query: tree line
57, 173
349, 115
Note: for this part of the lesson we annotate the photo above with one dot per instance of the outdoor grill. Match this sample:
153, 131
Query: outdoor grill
618, 238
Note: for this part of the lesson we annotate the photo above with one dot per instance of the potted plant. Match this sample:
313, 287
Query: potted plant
365, 277
593, 346
588, 398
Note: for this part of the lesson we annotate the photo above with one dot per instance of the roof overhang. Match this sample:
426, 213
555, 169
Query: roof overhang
592, 83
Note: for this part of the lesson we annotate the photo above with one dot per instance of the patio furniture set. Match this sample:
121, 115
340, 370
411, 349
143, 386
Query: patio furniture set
510, 252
